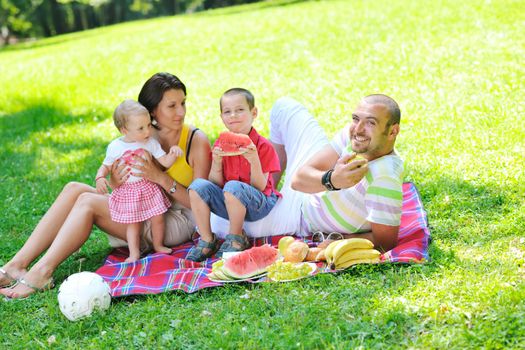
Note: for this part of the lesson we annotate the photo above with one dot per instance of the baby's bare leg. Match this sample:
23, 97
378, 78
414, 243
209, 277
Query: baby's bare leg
157, 234
133, 238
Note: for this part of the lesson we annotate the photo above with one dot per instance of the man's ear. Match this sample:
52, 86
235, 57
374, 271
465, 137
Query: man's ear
394, 131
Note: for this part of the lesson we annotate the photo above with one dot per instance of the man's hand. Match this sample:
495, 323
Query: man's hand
348, 172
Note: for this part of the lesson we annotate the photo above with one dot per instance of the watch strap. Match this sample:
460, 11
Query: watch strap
326, 180
173, 187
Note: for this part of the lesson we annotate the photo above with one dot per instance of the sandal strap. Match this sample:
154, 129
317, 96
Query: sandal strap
241, 239
204, 244
196, 253
228, 243
48, 285
7, 275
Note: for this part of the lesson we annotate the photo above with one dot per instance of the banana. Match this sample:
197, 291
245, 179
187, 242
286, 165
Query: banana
349, 244
329, 250
357, 261
354, 254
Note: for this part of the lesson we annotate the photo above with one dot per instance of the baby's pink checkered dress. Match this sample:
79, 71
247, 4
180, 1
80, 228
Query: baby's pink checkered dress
137, 202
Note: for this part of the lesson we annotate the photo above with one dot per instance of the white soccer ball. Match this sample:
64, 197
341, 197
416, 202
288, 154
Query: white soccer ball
82, 293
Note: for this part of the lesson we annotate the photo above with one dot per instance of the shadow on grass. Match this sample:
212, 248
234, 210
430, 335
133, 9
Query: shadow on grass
51, 41
468, 210
30, 182
17, 131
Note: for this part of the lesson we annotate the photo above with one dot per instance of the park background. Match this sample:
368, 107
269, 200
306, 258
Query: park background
456, 68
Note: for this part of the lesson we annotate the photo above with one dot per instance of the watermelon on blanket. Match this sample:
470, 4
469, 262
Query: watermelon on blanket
230, 143
250, 262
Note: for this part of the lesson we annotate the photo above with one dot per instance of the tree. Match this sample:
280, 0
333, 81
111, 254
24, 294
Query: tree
14, 18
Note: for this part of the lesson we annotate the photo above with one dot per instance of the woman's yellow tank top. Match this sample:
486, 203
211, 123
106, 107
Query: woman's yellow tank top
181, 171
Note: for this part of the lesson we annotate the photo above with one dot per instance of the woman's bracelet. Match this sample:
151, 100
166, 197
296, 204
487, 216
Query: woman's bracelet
99, 177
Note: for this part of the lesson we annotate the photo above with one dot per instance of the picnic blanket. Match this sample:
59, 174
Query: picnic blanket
157, 273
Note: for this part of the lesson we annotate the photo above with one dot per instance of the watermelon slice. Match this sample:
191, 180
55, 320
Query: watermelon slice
230, 143
250, 262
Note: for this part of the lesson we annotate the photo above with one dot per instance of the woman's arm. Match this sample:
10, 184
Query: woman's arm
200, 161
101, 182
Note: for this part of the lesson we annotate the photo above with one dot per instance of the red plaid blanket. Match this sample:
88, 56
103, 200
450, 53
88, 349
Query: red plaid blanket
157, 273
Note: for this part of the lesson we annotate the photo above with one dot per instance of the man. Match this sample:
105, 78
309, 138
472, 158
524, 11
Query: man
325, 188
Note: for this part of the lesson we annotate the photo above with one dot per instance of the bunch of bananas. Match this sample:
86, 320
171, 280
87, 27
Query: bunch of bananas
347, 252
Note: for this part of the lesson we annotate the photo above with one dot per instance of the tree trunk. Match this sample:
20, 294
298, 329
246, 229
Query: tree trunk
57, 16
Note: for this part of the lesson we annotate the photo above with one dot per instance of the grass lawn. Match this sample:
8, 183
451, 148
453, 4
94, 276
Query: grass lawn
455, 69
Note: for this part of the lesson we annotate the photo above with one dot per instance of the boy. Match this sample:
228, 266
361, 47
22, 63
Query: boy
239, 187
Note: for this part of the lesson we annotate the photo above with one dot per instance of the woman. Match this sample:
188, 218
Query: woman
69, 221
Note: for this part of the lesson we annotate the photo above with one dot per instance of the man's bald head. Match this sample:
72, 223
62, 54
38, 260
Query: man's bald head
391, 105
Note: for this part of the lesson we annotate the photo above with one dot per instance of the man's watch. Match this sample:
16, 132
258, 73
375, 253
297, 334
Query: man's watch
173, 187
326, 180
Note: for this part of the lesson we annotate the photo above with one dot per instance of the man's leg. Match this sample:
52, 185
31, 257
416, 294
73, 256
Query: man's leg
296, 133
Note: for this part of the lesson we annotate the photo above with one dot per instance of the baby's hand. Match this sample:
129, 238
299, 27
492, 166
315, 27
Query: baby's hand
176, 151
102, 185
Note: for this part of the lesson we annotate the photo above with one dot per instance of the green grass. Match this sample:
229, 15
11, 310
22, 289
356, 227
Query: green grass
456, 68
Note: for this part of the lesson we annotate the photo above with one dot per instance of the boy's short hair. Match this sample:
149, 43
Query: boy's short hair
126, 109
240, 91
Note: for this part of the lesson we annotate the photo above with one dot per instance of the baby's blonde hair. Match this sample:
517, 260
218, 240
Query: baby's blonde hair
126, 109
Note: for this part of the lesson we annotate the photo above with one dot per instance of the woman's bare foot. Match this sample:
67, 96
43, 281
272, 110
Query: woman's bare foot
162, 249
9, 275
31, 282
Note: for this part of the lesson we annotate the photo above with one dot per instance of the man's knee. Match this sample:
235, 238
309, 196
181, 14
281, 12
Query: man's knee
284, 102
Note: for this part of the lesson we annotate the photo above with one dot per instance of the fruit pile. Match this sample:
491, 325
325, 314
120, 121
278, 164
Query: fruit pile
287, 271
347, 252
338, 254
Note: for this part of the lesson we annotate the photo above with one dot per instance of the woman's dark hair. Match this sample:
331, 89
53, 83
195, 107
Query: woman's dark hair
153, 89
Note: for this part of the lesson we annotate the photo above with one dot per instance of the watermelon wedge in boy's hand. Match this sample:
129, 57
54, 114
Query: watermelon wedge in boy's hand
231, 143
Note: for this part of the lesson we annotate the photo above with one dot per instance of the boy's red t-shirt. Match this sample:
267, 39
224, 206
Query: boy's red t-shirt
238, 168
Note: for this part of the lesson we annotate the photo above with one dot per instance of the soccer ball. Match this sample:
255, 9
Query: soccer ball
81, 293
